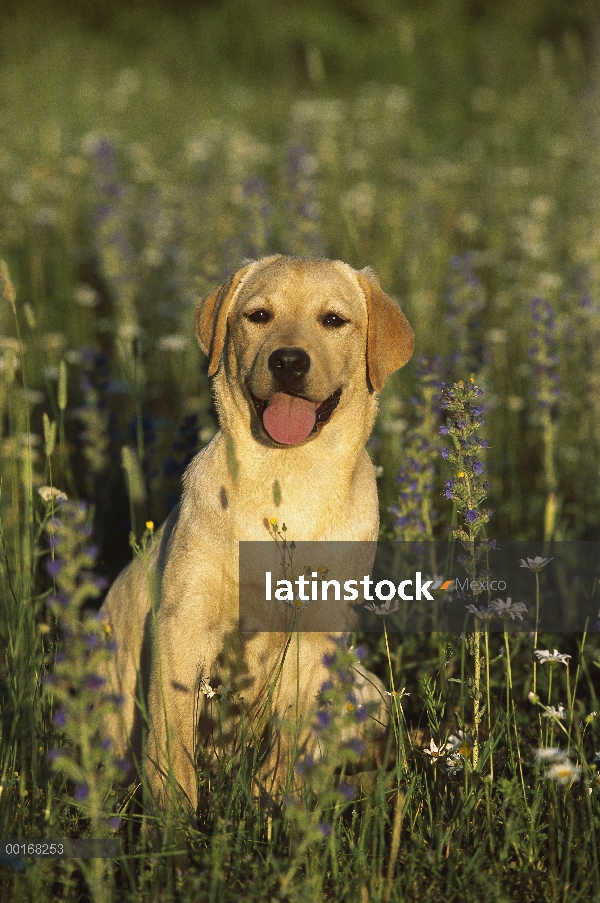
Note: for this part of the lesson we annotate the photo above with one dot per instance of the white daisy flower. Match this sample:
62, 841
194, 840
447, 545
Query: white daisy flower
551, 658
436, 752
564, 772
509, 609
535, 564
549, 754
385, 609
397, 694
482, 614
461, 743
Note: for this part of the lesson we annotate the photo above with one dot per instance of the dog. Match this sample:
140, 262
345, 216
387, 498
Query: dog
299, 349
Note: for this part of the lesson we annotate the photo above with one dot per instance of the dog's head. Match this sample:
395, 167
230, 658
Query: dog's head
298, 338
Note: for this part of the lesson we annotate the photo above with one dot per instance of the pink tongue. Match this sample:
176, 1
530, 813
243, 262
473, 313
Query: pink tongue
289, 419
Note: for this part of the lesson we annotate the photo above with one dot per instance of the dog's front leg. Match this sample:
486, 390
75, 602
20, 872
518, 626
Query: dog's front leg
170, 751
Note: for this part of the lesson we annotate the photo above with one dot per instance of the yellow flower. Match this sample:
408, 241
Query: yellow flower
150, 525
273, 521
460, 474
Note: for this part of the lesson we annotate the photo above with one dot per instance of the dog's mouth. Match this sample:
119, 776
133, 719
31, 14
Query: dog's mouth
290, 419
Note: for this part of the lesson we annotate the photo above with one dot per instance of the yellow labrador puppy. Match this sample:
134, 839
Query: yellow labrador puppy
300, 349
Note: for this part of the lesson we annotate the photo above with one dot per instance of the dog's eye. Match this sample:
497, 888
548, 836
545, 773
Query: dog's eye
259, 316
334, 320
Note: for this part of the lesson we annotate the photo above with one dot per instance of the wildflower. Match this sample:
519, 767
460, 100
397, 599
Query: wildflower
397, 694
551, 658
465, 298
303, 236
509, 609
298, 603
563, 772
533, 697
556, 713
360, 714
436, 752
49, 493
482, 614
357, 746
461, 743
594, 783
359, 651
385, 609
454, 763
257, 237
86, 296
324, 829
174, 342
544, 362
81, 792
224, 690
206, 688
60, 718
347, 790
323, 718
54, 567
97, 422
549, 754
417, 474
468, 492
534, 564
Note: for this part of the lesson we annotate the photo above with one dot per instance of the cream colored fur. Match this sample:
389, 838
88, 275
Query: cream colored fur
325, 487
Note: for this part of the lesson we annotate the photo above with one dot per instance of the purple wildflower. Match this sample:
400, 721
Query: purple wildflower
323, 718
60, 718
81, 792
347, 790
95, 682
54, 567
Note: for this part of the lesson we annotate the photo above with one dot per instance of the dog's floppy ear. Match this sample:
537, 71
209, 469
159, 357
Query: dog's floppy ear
390, 340
210, 319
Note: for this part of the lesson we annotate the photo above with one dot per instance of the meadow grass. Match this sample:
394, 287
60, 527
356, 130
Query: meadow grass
136, 176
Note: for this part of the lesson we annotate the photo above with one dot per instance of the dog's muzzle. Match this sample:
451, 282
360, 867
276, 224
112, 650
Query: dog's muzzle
289, 419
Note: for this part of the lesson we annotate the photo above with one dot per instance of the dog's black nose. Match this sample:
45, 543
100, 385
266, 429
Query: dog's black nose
289, 364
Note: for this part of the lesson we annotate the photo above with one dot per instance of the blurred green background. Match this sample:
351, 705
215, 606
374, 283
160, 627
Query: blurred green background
147, 148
